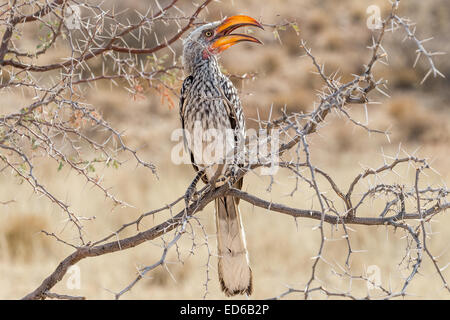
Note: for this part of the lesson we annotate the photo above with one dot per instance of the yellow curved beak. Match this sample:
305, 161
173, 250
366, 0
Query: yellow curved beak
224, 39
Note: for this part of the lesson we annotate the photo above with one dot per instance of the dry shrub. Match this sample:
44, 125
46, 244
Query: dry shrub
414, 122
24, 243
403, 77
176, 274
333, 40
344, 139
318, 20
294, 101
270, 64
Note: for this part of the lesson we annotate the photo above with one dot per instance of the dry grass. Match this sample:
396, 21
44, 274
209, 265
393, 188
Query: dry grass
280, 248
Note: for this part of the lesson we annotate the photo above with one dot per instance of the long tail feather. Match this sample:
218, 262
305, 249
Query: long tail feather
235, 275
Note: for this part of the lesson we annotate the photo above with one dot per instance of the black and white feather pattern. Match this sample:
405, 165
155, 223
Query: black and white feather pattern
209, 98
210, 101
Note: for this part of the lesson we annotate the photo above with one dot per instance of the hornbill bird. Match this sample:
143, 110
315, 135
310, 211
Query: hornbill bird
210, 109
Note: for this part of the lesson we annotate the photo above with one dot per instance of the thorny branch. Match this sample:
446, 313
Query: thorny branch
56, 124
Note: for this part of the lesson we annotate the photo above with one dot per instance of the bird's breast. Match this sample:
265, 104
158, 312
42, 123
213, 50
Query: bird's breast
205, 104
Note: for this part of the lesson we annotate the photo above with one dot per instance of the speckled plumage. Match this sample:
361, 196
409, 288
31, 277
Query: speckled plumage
202, 99
210, 101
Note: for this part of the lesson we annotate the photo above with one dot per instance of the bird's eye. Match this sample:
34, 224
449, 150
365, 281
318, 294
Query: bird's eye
208, 33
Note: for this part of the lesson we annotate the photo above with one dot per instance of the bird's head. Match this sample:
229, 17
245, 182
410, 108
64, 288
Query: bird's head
211, 39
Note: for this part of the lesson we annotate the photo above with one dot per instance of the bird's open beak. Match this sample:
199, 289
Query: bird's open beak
224, 39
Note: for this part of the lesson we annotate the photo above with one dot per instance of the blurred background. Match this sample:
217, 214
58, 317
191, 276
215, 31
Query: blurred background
277, 75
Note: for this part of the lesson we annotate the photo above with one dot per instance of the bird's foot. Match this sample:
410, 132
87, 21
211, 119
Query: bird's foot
190, 195
191, 190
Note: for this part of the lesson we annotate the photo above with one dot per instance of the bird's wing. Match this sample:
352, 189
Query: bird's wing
231, 102
183, 95
231, 109
185, 91
234, 111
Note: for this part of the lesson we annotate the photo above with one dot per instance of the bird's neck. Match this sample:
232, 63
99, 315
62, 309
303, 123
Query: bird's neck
206, 66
